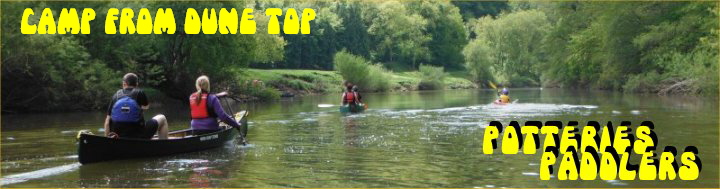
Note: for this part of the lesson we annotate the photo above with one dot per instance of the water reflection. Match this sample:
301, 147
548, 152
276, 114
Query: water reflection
412, 139
201, 169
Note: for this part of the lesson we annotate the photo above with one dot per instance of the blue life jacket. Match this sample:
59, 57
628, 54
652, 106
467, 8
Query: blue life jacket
126, 110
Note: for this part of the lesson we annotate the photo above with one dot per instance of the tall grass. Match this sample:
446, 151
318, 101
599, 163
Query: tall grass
357, 70
432, 77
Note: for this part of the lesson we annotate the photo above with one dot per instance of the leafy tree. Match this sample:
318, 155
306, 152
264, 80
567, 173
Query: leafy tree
476, 9
49, 72
515, 42
399, 35
447, 31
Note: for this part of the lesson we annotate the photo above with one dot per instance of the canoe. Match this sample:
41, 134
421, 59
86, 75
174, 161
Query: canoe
353, 108
497, 102
94, 148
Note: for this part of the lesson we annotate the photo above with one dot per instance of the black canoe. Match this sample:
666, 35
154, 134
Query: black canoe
94, 148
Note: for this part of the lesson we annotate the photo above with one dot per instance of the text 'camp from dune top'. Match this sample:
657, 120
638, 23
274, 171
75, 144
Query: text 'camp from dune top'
127, 21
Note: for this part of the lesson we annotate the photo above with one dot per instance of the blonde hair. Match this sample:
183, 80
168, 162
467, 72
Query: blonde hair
202, 84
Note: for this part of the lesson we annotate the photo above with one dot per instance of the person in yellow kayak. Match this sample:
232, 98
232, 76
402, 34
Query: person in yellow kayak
504, 97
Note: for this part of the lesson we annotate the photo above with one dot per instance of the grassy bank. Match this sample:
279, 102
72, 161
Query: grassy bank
304, 82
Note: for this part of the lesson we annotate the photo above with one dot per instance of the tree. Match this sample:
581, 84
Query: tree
399, 35
447, 31
515, 44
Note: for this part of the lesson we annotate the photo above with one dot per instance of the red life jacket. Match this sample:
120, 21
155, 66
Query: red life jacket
349, 97
199, 110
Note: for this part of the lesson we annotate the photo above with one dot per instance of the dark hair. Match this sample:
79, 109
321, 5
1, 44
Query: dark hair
131, 79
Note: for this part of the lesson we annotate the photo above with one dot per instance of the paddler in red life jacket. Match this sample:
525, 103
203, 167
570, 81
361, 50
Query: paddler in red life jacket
349, 97
125, 113
205, 109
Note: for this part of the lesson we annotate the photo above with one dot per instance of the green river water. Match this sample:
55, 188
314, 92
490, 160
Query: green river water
412, 139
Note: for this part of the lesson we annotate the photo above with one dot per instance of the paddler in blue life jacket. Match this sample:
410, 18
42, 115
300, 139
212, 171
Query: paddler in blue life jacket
205, 109
125, 113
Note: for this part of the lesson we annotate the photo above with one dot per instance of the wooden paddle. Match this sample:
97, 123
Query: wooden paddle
242, 133
494, 87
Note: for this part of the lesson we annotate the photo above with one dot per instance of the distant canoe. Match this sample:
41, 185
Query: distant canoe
353, 108
94, 148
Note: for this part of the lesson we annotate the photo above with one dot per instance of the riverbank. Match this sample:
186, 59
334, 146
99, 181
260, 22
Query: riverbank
310, 82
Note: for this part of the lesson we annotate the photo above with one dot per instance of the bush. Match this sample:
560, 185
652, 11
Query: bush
379, 79
645, 83
357, 70
431, 77
257, 89
54, 72
478, 61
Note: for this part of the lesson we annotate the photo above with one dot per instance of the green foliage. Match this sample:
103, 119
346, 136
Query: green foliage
479, 61
378, 78
646, 82
398, 34
665, 48
257, 89
475, 9
50, 72
63, 77
511, 44
447, 32
432, 77
357, 70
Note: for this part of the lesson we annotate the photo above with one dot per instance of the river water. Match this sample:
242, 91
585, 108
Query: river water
412, 139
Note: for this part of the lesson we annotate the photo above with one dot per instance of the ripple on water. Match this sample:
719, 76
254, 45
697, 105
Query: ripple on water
277, 121
479, 115
187, 161
22, 177
616, 182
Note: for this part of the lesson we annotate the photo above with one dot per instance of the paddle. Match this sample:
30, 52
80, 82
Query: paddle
494, 87
326, 105
223, 95
498, 91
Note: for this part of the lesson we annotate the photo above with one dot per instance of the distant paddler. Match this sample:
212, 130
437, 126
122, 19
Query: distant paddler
351, 99
503, 96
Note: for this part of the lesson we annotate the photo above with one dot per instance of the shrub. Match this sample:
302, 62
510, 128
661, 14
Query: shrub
357, 70
257, 89
54, 73
478, 61
378, 78
647, 82
431, 77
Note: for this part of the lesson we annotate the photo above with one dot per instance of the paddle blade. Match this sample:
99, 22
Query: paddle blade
492, 84
325, 105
